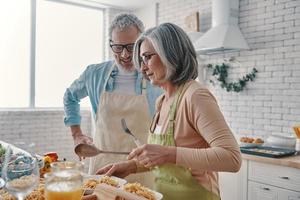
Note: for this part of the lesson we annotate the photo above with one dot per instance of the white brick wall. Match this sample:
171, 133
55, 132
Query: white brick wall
271, 104
175, 11
45, 128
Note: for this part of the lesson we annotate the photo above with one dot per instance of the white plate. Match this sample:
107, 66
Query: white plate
103, 189
98, 177
157, 195
245, 144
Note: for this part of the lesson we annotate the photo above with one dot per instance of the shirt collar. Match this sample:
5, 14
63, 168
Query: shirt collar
138, 83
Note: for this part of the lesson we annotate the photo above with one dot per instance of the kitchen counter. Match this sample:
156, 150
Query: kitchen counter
290, 161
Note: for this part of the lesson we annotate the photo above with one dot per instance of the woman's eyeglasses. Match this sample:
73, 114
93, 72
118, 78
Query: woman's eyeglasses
144, 59
118, 48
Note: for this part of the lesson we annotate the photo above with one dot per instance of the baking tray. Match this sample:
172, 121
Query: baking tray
271, 152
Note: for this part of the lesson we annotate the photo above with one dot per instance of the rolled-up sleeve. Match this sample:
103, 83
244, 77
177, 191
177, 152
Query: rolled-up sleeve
72, 97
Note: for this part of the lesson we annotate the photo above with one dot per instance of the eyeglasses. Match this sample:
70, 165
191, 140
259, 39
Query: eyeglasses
145, 58
118, 48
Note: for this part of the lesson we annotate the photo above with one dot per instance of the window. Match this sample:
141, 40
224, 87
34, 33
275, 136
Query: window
68, 37
14, 53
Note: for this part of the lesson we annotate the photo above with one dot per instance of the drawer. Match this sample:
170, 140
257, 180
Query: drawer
259, 191
280, 176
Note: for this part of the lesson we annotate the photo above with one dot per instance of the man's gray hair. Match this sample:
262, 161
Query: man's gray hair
175, 50
125, 20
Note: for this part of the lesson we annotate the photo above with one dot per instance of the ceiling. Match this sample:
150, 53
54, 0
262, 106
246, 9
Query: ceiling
125, 4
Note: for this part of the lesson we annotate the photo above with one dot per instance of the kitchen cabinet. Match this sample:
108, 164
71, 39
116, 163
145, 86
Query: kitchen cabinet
290, 195
262, 179
233, 186
259, 191
272, 182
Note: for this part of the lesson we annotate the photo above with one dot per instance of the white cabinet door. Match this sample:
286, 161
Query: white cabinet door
289, 195
233, 186
276, 175
258, 191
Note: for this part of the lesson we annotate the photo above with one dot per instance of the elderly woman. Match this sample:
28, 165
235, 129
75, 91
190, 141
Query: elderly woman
189, 140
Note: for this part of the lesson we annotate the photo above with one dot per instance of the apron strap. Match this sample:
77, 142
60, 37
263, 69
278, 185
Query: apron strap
173, 108
108, 78
172, 112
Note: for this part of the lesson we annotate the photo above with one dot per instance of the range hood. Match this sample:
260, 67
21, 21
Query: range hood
225, 35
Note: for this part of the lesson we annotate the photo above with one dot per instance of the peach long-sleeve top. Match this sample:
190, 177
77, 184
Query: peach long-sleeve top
204, 142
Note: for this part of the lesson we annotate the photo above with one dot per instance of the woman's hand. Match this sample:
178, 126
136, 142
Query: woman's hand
151, 155
120, 169
89, 197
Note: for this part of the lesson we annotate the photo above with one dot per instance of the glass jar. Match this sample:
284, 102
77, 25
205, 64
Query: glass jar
65, 181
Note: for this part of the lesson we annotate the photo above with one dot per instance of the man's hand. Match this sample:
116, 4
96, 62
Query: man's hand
82, 139
79, 137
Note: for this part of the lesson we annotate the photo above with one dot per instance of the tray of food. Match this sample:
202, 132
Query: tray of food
141, 191
251, 142
129, 191
271, 152
114, 188
90, 182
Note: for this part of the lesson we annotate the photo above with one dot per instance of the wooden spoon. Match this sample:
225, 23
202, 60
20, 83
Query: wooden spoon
87, 150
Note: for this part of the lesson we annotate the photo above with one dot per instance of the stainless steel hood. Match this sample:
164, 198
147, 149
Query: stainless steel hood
225, 35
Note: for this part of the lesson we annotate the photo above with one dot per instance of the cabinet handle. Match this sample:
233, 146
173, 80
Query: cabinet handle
284, 177
265, 188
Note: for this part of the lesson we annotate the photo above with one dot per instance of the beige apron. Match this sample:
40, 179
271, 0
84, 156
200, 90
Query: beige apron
109, 134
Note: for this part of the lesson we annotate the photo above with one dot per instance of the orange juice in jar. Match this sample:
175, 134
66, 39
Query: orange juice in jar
63, 191
64, 184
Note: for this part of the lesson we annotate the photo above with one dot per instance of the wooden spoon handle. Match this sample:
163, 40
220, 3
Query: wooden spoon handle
115, 152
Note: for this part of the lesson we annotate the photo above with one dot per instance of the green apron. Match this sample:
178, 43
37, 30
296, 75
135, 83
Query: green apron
173, 181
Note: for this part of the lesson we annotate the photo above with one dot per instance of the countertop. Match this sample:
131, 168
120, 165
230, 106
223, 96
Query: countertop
290, 161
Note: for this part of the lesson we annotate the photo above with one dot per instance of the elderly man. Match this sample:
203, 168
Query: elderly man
116, 90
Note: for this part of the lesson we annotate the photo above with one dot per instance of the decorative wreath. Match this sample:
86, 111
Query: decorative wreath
220, 71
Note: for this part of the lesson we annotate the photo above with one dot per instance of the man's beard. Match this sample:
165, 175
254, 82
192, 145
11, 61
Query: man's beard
125, 69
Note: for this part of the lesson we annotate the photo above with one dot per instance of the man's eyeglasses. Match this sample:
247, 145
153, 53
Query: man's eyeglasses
144, 59
118, 48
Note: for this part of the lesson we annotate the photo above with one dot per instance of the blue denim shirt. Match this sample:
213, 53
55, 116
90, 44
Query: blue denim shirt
91, 83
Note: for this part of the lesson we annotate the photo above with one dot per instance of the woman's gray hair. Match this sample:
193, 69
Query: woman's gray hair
175, 50
125, 20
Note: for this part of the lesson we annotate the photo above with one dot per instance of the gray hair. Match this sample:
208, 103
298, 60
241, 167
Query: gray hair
175, 50
125, 20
